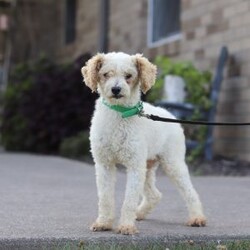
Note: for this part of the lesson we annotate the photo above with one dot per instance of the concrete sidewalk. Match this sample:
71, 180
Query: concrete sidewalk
46, 201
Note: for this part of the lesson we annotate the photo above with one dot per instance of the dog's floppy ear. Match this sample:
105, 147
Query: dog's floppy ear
146, 72
90, 71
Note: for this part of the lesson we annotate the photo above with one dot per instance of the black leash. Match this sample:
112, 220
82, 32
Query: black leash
205, 123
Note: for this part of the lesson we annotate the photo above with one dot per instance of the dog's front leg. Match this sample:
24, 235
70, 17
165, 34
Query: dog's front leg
105, 180
135, 182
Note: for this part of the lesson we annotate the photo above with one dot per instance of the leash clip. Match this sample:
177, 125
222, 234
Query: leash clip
142, 114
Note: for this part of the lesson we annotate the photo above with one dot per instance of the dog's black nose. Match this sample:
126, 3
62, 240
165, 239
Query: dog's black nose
116, 90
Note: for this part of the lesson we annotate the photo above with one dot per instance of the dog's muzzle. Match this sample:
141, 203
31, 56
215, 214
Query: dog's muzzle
116, 92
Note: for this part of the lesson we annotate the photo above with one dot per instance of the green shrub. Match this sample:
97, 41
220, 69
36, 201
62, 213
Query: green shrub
77, 146
197, 83
45, 103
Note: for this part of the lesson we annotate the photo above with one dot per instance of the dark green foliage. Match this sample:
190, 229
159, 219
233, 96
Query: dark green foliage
197, 83
77, 146
45, 103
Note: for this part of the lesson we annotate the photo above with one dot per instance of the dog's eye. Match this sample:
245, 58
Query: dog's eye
128, 76
106, 75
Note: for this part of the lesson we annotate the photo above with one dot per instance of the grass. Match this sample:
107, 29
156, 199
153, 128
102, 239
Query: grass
187, 245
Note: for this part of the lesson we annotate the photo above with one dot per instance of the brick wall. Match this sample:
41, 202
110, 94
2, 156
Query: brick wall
234, 105
206, 27
87, 30
127, 32
128, 26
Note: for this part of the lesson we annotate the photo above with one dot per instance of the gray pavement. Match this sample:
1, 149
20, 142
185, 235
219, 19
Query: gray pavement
48, 201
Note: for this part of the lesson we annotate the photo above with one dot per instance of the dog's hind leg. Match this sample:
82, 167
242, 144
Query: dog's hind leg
105, 180
177, 170
151, 195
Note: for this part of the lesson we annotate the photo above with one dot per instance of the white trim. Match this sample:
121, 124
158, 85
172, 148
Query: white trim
166, 40
169, 39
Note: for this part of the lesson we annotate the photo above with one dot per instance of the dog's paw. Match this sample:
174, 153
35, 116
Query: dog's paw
197, 222
96, 227
127, 230
140, 216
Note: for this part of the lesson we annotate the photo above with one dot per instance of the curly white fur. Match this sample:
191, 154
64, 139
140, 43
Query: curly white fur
137, 143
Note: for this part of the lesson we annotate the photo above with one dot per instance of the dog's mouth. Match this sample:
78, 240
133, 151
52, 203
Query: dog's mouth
117, 96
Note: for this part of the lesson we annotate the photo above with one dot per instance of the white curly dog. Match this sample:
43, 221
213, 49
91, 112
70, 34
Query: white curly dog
135, 142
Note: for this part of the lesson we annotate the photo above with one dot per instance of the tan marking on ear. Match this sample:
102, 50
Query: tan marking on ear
146, 72
90, 71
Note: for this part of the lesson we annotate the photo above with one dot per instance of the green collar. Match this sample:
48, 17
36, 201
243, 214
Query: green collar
126, 111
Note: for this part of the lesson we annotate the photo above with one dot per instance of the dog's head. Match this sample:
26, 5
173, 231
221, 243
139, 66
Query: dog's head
118, 77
